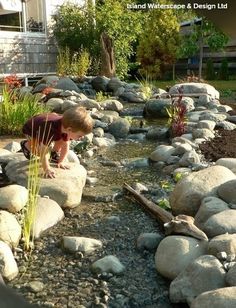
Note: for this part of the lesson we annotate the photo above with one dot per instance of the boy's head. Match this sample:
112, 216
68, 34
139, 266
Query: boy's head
76, 122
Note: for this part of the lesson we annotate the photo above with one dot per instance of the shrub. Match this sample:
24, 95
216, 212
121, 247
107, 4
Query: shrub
177, 117
72, 63
80, 63
146, 87
224, 70
63, 61
16, 109
210, 72
100, 96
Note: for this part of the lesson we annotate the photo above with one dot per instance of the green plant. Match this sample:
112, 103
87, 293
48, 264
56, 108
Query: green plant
63, 61
100, 96
164, 203
129, 119
81, 27
158, 42
72, 63
210, 72
177, 117
166, 185
146, 87
224, 70
80, 63
33, 185
30, 208
226, 93
16, 109
178, 176
202, 33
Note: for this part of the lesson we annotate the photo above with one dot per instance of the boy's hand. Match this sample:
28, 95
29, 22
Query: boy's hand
49, 173
62, 165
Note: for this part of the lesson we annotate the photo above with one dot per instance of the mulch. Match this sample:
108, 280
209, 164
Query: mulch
223, 145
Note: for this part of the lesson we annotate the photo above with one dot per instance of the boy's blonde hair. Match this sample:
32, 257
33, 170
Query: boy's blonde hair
78, 119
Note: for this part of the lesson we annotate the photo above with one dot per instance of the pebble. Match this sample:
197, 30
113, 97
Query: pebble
36, 286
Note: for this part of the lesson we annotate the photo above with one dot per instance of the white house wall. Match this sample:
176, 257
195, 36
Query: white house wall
30, 53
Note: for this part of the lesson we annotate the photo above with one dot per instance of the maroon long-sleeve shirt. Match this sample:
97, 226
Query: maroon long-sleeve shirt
45, 128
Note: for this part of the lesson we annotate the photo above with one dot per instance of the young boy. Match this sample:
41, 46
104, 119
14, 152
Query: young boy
43, 129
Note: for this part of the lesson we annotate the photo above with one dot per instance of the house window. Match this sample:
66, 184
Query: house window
22, 15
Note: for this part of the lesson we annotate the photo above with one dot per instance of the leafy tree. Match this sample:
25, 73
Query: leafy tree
74, 28
123, 26
205, 33
159, 41
81, 27
210, 72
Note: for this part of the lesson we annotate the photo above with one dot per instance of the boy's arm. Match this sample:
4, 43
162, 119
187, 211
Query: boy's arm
64, 151
44, 157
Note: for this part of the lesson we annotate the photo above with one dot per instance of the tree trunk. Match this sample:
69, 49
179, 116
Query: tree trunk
107, 56
200, 59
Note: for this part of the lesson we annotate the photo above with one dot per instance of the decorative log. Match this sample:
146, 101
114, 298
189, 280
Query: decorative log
181, 224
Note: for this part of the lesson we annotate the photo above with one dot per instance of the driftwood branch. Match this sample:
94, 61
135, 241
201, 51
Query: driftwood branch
150, 206
181, 224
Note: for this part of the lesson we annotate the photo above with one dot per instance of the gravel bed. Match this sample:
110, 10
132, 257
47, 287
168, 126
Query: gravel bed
66, 279
52, 277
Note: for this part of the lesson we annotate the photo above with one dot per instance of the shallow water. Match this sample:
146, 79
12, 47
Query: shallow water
135, 166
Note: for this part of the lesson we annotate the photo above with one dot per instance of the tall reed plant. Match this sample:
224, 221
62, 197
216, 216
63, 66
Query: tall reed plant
146, 87
73, 63
16, 109
33, 184
29, 216
63, 62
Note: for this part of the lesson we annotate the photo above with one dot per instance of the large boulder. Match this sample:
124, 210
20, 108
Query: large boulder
132, 96
227, 162
10, 229
48, 213
175, 252
100, 83
156, 108
119, 128
209, 206
55, 104
227, 191
203, 274
219, 298
9, 269
65, 83
114, 84
112, 104
223, 243
50, 81
162, 153
189, 191
220, 223
195, 89
13, 198
231, 276
66, 188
